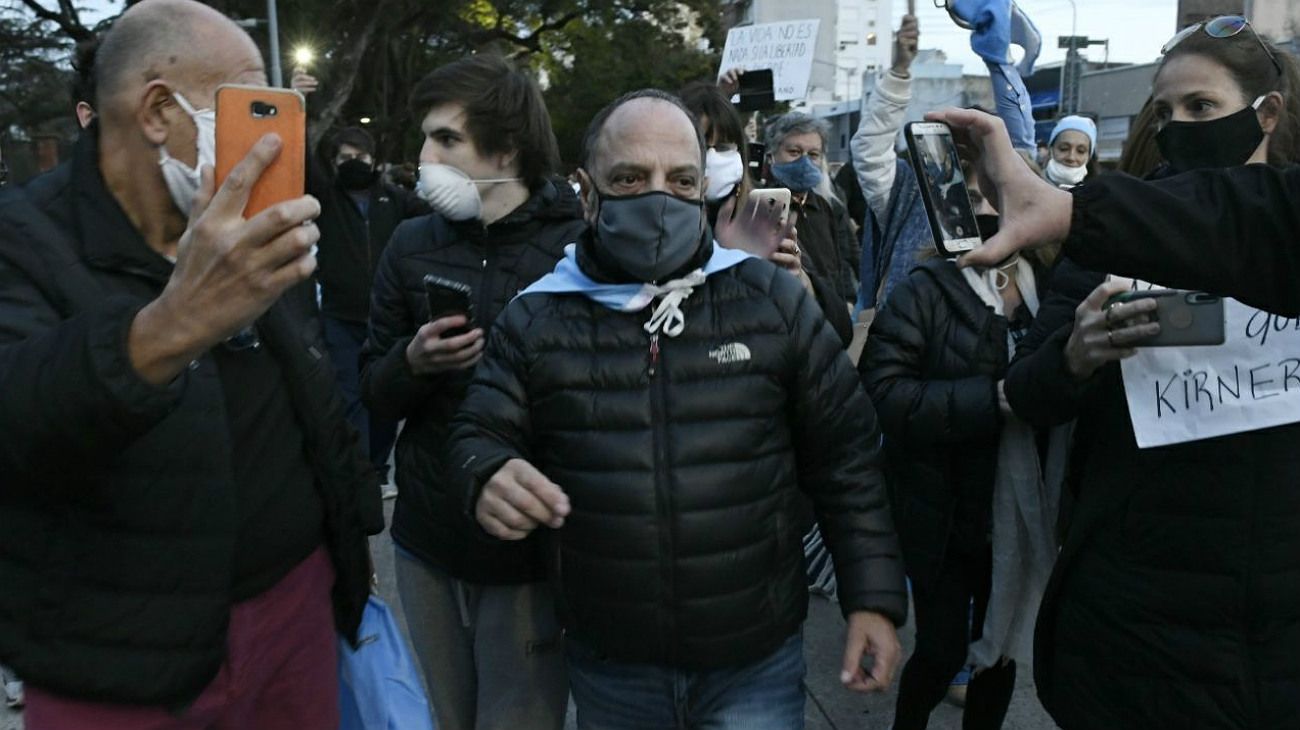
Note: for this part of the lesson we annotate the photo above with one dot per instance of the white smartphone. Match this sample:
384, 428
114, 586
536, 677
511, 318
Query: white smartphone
943, 187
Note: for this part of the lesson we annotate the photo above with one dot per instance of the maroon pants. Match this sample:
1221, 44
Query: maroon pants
280, 672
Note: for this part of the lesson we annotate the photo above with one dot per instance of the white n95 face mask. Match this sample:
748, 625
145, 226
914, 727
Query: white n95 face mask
1063, 174
724, 171
181, 179
451, 192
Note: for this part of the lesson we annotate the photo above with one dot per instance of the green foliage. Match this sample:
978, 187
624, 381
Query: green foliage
372, 52
598, 63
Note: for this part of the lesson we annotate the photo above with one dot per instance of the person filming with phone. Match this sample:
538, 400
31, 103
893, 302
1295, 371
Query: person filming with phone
185, 508
1179, 560
796, 144
481, 618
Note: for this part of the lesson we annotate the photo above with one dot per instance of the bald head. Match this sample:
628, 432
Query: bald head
184, 43
645, 142
626, 110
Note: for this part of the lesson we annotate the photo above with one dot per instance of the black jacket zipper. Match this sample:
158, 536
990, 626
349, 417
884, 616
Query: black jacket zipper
663, 493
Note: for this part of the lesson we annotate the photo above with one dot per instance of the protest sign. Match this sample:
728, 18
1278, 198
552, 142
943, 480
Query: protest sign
786, 47
1252, 381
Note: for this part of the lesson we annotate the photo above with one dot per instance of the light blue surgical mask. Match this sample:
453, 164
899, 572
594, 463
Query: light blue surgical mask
800, 176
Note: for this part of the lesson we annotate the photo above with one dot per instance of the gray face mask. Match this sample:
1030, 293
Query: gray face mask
650, 236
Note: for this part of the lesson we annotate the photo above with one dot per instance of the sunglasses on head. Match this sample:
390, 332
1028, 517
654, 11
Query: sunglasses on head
1224, 26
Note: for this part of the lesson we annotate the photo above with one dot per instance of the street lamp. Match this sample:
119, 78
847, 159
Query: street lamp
303, 56
365, 120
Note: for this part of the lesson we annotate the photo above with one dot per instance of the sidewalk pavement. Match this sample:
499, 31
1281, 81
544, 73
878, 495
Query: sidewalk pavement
830, 706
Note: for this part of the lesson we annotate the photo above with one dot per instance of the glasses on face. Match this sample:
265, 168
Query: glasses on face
1224, 26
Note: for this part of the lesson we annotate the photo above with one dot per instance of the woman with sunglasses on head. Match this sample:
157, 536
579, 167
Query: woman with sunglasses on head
1176, 599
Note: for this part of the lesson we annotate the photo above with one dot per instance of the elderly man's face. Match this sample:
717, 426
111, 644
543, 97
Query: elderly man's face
648, 145
798, 145
231, 58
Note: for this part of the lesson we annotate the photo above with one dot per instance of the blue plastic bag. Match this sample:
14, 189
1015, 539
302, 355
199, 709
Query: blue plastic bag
379, 687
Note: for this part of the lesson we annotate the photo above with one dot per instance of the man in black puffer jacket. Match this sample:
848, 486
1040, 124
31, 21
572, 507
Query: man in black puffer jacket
678, 446
486, 121
180, 494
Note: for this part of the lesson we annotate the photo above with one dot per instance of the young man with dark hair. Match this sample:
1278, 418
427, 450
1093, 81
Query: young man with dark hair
481, 617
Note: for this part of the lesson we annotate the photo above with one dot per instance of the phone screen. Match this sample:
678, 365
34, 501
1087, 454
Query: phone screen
952, 219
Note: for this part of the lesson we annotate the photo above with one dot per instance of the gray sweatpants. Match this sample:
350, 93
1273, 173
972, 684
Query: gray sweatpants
492, 655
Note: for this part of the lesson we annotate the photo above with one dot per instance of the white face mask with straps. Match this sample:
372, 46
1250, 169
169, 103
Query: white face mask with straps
182, 180
451, 192
1062, 174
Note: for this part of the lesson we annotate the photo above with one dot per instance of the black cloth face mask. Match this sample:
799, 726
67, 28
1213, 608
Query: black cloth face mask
648, 238
1218, 143
988, 225
356, 174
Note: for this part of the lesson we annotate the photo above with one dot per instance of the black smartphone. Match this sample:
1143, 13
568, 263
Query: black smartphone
757, 152
757, 90
943, 187
448, 298
1186, 318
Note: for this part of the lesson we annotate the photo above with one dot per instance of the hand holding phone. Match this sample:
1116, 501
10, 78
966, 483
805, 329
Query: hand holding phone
245, 114
229, 270
449, 341
1104, 335
1186, 318
943, 187
759, 226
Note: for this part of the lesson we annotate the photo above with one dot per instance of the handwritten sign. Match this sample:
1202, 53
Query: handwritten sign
786, 47
1252, 381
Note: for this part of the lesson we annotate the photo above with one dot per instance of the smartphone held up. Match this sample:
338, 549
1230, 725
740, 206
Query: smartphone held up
245, 114
943, 187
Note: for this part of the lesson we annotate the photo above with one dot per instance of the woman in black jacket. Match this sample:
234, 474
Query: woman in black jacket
934, 364
1175, 602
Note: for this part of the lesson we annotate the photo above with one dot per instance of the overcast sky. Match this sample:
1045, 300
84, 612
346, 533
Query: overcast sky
1136, 28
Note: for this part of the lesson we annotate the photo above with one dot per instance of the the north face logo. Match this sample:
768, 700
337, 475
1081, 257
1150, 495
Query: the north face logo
731, 352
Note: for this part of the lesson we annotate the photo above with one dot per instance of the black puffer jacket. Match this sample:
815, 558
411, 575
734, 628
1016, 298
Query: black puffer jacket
118, 512
1176, 598
496, 262
351, 244
683, 467
931, 365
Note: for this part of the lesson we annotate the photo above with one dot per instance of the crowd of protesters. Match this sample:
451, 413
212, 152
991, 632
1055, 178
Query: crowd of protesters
671, 406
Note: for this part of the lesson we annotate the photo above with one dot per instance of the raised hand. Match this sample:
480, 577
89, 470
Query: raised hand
1033, 212
229, 270
906, 41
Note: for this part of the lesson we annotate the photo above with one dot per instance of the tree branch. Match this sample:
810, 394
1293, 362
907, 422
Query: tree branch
532, 41
70, 23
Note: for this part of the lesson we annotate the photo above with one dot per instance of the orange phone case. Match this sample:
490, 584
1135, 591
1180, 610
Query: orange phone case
244, 115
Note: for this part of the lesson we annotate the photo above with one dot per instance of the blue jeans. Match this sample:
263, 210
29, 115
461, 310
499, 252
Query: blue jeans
343, 340
765, 695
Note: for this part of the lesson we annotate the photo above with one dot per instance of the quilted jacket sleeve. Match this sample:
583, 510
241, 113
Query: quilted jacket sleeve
1039, 388
493, 425
389, 388
837, 444
913, 407
71, 398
